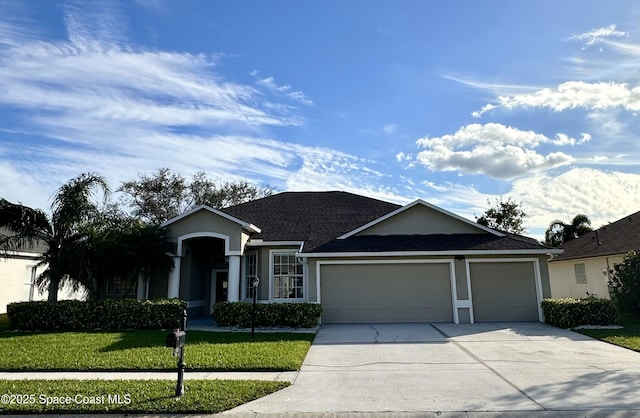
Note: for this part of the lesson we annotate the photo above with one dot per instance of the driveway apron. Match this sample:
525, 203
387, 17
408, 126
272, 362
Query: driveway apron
448, 367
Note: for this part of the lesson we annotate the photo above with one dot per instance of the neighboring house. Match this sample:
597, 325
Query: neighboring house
18, 273
584, 267
363, 259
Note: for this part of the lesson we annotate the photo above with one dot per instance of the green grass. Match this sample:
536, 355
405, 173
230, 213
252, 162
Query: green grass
128, 396
627, 337
145, 350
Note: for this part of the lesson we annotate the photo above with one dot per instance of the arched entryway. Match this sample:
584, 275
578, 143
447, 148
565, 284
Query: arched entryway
204, 272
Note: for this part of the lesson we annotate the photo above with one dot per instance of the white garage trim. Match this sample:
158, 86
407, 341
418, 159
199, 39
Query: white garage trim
536, 274
452, 275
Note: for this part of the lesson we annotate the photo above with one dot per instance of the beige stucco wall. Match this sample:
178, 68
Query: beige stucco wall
563, 278
421, 219
204, 221
15, 281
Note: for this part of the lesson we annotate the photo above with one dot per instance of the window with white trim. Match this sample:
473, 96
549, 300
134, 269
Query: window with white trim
581, 273
118, 286
288, 279
250, 271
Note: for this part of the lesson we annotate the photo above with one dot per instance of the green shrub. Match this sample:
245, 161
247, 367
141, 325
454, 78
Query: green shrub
569, 312
294, 315
101, 314
4, 321
625, 284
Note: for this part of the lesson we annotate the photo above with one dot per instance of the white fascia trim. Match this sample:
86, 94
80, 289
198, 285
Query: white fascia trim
246, 225
226, 239
424, 253
261, 243
409, 206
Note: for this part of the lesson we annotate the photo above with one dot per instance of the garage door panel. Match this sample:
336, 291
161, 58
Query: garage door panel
503, 291
353, 293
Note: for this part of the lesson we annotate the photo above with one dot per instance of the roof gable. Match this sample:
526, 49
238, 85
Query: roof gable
245, 225
420, 217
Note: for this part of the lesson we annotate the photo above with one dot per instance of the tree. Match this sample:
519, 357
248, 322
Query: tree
559, 232
164, 195
119, 246
625, 282
63, 232
506, 216
157, 197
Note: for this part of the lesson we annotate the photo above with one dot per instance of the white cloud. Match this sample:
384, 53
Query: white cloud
20, 187
599, 34
573, 95
603, 196
563, 139
598, 158
401, 157
493, 149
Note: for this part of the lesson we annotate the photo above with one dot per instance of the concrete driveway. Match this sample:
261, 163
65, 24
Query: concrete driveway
446, 367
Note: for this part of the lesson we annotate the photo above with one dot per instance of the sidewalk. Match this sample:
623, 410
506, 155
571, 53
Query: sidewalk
207, 324
96, 375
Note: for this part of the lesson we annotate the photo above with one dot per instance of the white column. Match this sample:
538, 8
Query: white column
141, 287
173, 290
233, 292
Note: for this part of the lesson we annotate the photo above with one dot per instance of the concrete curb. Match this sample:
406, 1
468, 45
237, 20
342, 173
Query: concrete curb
270, 376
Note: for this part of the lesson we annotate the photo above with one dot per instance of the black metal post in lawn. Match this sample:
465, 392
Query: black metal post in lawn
255, 283
181, 363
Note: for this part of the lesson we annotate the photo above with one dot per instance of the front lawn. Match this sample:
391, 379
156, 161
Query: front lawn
144, 350
128, 396
627, 337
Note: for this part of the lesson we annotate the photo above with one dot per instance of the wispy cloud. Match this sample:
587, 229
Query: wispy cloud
599, 34
502, 88
282, 89
493, 149
96, 102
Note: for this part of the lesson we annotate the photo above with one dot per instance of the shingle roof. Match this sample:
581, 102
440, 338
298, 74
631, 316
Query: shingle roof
618, 237
432, 242
312, 217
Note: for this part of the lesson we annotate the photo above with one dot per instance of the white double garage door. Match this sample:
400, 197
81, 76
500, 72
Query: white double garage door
361, 292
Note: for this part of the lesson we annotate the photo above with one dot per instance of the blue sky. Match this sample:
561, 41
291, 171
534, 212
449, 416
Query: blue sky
453, 102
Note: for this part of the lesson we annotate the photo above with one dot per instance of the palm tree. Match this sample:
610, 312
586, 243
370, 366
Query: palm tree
63, 233
140, 250
559, 232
